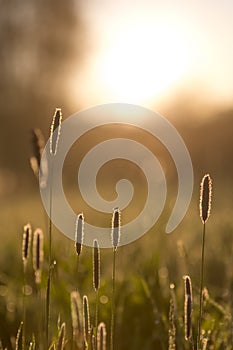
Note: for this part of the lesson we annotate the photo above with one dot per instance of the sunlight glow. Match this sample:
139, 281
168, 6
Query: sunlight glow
144, 61
137, 61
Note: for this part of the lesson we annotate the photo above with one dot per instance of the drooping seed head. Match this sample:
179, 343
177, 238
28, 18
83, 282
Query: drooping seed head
38, 253
26, 243
38, 163
55, 131
116, 228
86, 319
37, 141
79, 233
96, 265
205, 198
101, 336
188, 307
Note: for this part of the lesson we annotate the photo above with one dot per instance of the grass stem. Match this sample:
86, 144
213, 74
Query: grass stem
50, 255
96, 311
201, 289
113, 301
24, 308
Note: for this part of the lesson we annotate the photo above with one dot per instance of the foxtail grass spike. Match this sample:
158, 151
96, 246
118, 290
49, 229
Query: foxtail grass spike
38, 253
86, 320
188, 307
96, 265
101, 336
55, 131
32, 344
19, 337
172, 326
116, 228
26, 243
79, 233
61, 337
205, 198
93, 342
76, 316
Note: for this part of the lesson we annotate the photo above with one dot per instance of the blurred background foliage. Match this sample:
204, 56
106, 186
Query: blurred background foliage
38, 50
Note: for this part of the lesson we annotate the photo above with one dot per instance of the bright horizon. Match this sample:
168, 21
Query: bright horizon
141, 53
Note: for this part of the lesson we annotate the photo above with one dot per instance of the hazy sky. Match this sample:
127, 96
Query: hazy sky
140, 51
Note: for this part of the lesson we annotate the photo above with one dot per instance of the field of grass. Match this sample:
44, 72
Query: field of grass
149, 283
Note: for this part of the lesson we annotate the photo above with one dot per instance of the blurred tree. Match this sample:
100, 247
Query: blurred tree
41, 42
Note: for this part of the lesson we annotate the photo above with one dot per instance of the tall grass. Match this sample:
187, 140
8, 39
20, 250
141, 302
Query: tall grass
77, 319
101, 337
86, 322
172, 326
205, 208
96, 279
26, 245
54, 139
148, 316
38, 254
116, 226
79, 235
188, 309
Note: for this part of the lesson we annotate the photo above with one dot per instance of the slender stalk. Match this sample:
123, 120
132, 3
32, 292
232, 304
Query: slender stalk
116, 234
96, 310
113, 301
24, 308
96, 279
77, 265
201, 289
50, 255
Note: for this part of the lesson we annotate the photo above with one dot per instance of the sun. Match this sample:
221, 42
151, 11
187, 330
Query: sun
142, 62
138, 61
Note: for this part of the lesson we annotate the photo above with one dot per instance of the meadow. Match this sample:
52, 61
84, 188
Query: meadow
150, 294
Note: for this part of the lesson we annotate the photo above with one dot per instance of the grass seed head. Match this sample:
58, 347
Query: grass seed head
96, 265
93, 341
26, 243
205, 198
116, 228
76, 316
38, 253
61, 337
101, 336
79, 233
55, 131
172, 326
86, 319
188, 307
